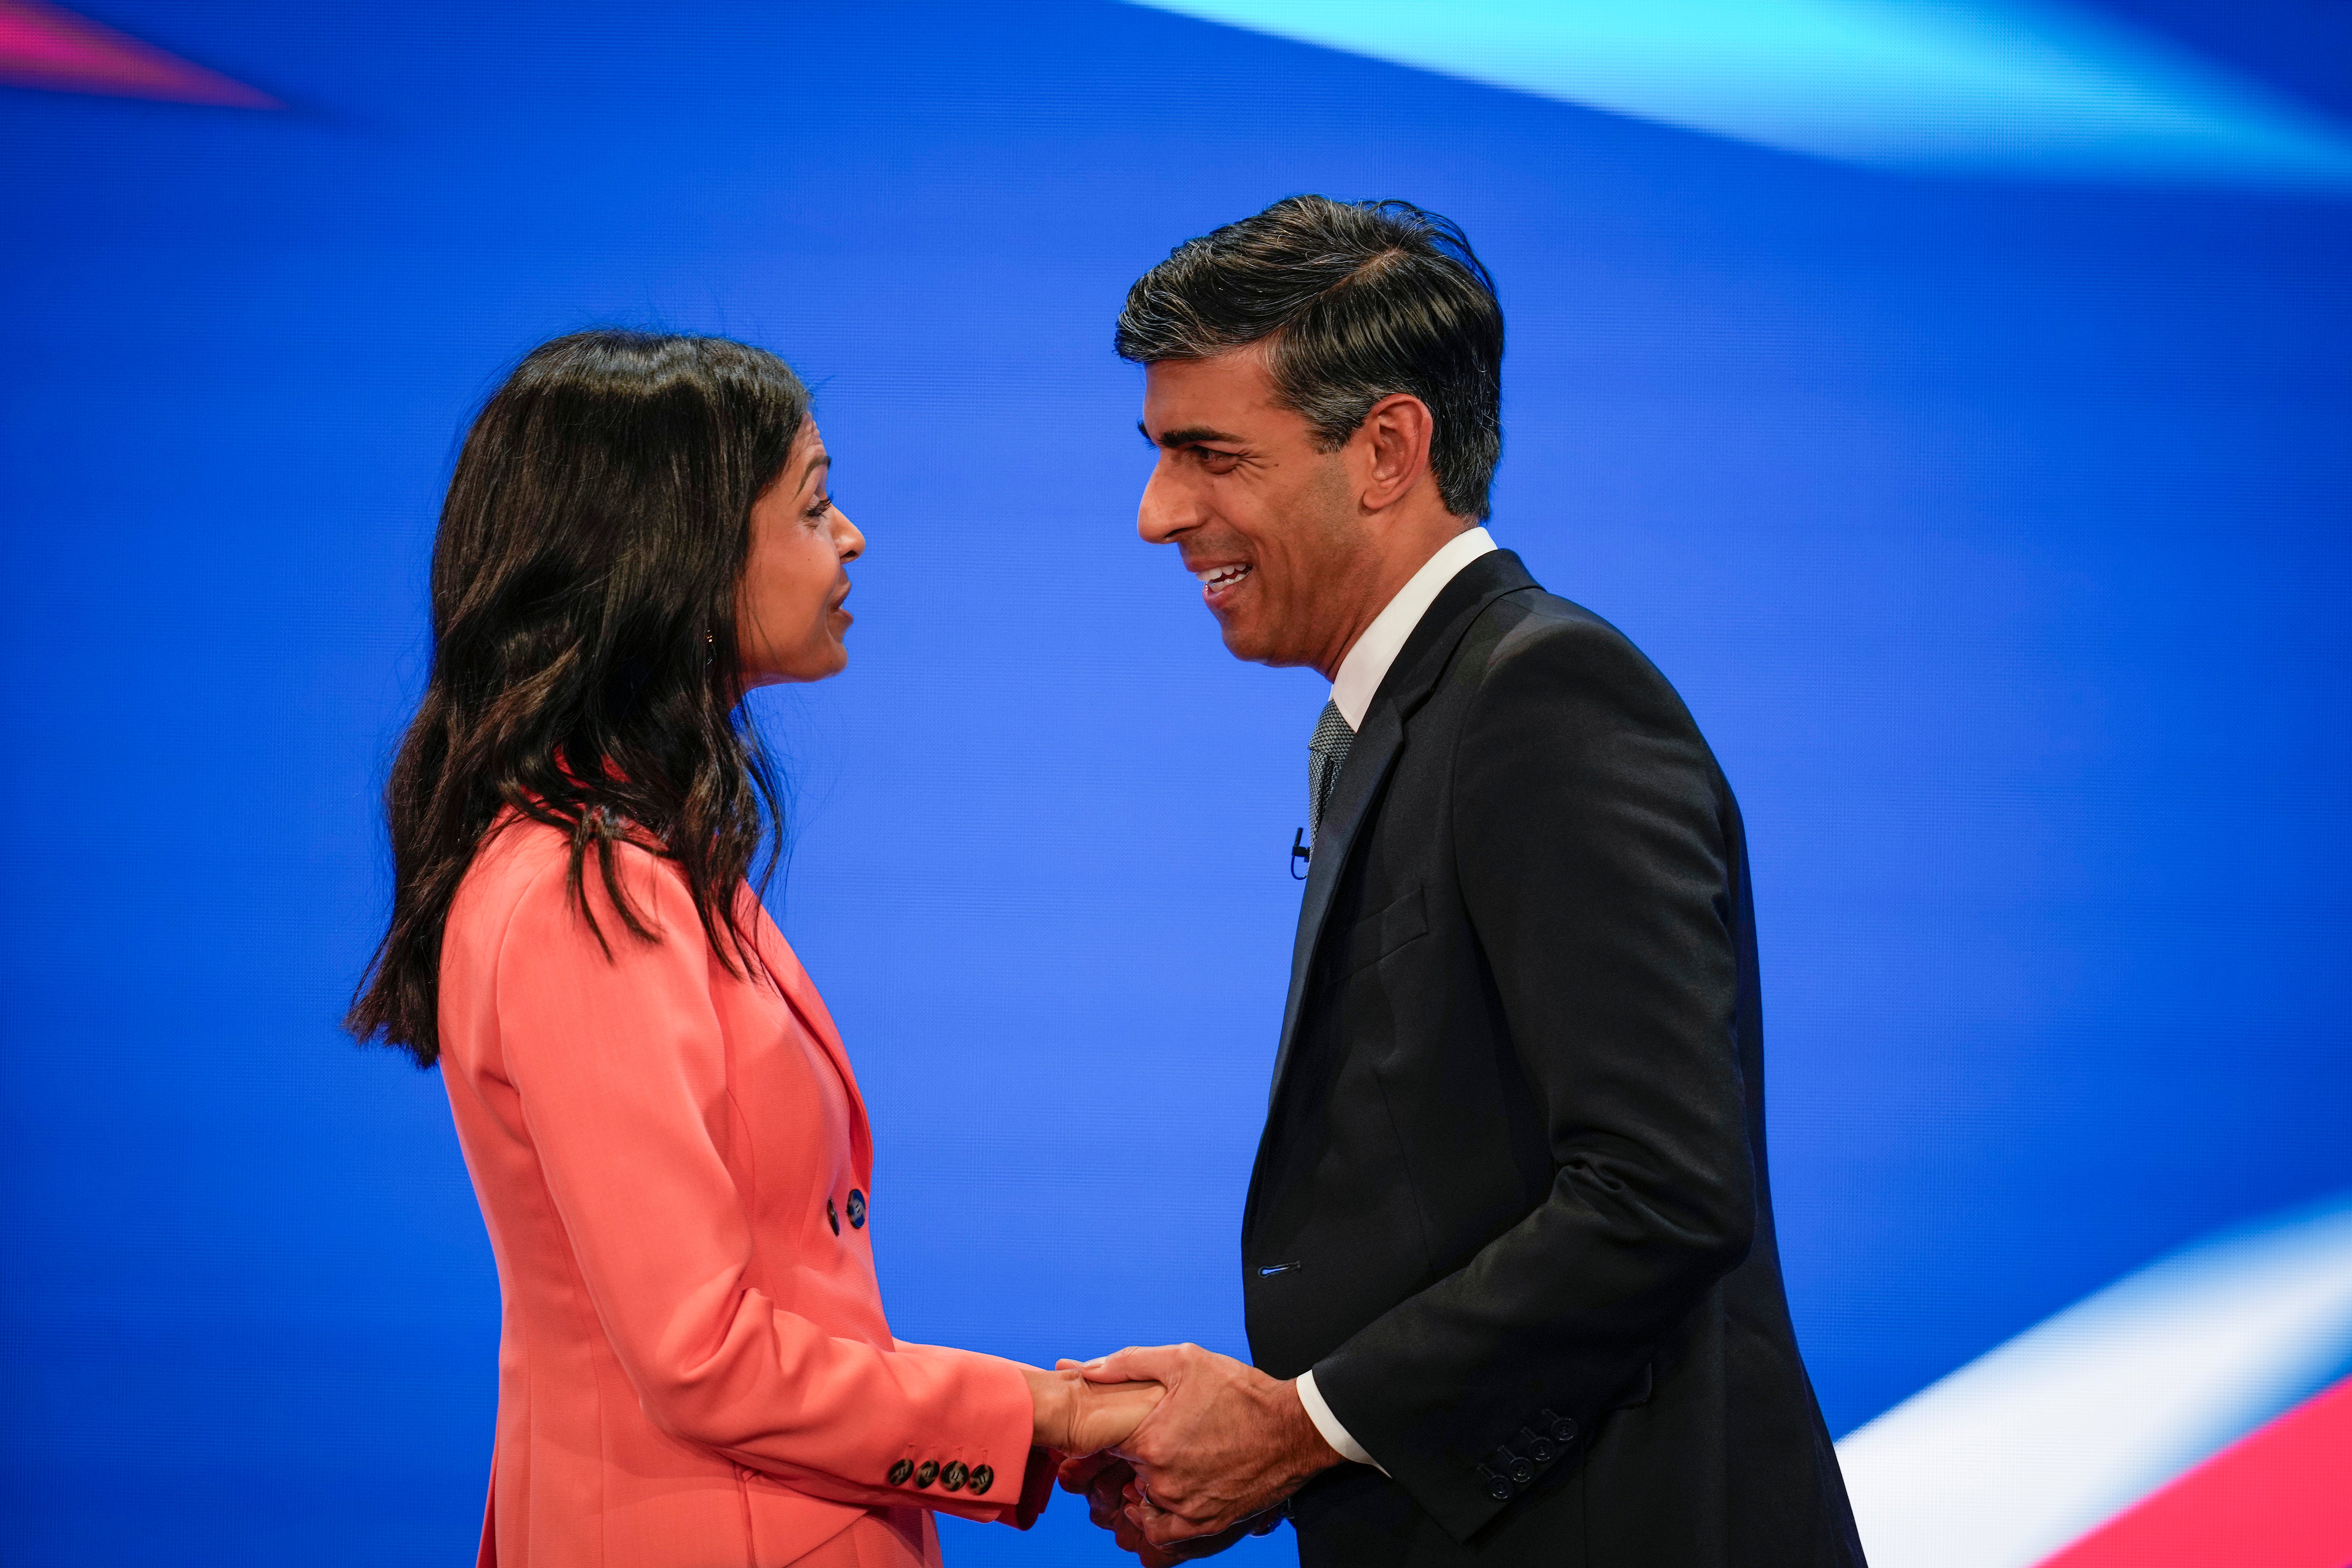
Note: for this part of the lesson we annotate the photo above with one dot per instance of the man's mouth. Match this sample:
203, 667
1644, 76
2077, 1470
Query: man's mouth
1216, 582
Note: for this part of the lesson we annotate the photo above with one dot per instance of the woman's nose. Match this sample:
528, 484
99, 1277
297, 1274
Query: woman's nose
845, 537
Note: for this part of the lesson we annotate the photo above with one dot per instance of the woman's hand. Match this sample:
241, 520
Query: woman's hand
1074, 1417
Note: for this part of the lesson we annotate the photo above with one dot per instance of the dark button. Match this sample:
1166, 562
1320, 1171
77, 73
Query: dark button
857, 1209
954, 1476
900, 1471
831, 1217
927, 1474
1563, 1430
982, 1478
1539, 1449
1499, 1489
1522, 1472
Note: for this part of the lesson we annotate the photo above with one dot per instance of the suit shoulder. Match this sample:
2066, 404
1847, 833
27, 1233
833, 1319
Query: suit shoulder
1541, 663
1540, 637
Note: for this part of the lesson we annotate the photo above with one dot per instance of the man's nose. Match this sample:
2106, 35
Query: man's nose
1165, 510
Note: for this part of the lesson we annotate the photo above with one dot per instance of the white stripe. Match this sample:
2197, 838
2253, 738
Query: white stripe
2038, 1442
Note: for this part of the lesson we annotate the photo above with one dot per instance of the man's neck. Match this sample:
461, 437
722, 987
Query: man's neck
1408, 550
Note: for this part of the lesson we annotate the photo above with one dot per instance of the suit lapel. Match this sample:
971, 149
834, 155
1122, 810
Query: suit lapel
1410, 680
1369, 757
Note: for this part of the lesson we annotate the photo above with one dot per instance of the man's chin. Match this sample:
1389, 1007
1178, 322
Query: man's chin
1245, 641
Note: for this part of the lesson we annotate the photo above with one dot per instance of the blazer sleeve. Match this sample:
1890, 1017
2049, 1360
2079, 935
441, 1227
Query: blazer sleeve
1594, 860
620, 1068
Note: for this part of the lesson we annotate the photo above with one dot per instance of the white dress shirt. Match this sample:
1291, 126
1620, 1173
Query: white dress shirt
1361, 674
1366, 664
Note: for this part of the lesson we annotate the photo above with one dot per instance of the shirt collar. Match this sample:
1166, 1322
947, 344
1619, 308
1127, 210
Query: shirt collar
1366, 664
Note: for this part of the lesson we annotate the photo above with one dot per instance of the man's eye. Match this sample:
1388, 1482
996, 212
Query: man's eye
1217, 462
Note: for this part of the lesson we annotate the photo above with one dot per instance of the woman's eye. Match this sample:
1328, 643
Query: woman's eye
816, 513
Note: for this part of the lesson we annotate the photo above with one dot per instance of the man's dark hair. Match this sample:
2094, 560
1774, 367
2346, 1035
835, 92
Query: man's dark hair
1356, 301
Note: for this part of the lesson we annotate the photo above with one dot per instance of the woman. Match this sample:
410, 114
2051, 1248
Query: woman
663, 1133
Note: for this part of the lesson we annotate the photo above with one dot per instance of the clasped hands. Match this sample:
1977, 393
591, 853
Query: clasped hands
1180, 1452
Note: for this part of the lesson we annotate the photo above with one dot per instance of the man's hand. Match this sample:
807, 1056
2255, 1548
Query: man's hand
1225, 1446
1107, 1481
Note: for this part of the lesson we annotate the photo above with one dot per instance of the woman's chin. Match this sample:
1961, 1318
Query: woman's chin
822, 669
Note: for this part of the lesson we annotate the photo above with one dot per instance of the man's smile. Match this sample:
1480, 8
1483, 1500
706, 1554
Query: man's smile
1217, 582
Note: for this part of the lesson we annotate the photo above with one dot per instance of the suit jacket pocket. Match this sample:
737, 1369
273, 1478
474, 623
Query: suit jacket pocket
1381, 933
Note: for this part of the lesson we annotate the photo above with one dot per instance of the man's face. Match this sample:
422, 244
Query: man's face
1266, 522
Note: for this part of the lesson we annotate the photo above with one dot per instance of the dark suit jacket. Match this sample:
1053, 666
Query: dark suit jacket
1510, 1202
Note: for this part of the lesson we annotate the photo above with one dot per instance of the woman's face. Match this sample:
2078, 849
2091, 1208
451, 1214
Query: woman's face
788, 613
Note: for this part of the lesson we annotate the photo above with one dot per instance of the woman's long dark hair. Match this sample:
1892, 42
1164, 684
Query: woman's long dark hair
585, 650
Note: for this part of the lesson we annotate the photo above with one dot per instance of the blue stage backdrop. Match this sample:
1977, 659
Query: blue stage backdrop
1993, 520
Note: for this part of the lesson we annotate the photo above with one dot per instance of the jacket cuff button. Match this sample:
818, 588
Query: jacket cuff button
954, 1476
927, 1474
900, 1471
982, 1478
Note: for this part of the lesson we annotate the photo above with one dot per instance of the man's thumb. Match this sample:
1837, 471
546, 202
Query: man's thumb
1121, 1366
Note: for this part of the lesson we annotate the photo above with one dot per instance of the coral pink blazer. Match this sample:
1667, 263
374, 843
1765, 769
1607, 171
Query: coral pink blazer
674, 1168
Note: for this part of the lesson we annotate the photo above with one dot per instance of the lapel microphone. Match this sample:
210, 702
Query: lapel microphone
1299, 852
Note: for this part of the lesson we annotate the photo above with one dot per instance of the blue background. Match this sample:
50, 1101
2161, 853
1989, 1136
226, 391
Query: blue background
1995, 531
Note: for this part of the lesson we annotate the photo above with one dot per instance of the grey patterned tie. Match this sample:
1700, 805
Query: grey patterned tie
1327, 753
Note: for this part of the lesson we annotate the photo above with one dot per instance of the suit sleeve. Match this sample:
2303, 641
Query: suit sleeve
620, 1068
1593, 863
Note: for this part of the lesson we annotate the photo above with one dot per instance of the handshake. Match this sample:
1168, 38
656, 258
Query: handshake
1177, 1451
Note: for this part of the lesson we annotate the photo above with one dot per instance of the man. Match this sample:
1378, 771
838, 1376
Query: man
1508, 1255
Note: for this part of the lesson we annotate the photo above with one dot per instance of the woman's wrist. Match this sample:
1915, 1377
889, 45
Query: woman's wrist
1053, 1407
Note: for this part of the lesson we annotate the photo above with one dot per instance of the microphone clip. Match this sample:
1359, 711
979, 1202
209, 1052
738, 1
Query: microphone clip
1299, 854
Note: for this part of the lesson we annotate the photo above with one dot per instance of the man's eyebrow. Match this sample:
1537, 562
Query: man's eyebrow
1190, 435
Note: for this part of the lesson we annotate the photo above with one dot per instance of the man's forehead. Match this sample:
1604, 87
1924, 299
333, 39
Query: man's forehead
1220, 390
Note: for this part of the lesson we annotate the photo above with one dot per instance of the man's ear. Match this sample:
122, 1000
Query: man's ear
1395, 435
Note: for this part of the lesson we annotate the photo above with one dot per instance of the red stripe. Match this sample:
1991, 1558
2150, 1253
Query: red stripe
2279, 1498
41, 46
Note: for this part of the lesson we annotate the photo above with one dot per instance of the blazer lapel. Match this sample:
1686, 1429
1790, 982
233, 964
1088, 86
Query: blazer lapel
1410, 680
800, 993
